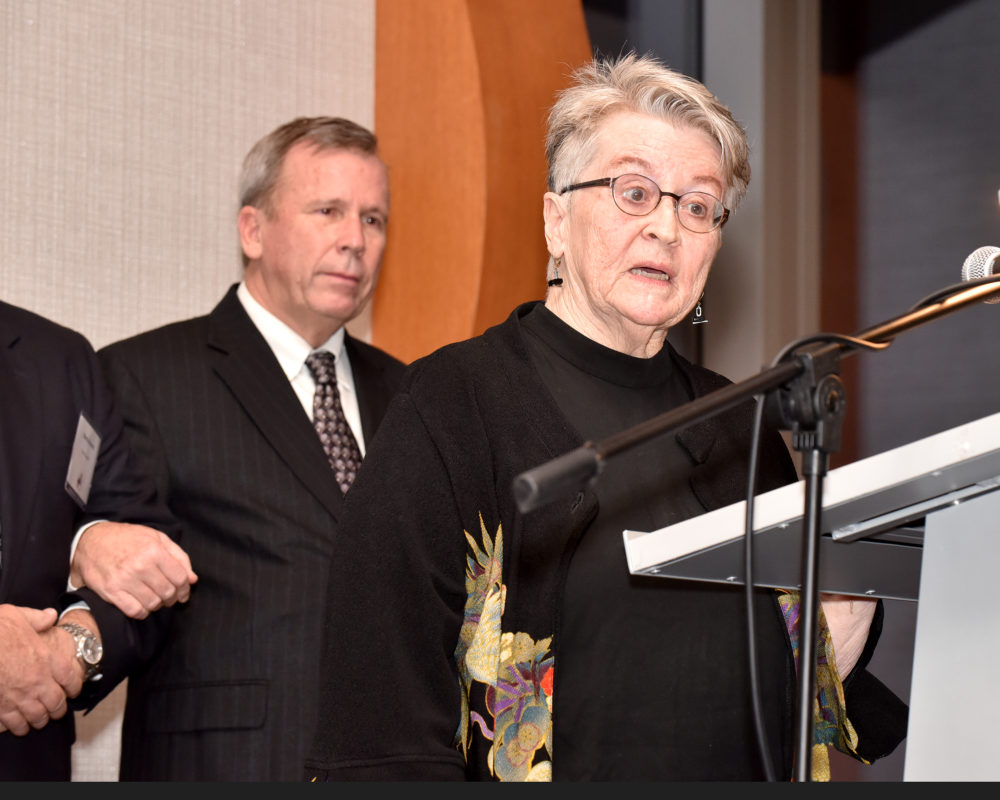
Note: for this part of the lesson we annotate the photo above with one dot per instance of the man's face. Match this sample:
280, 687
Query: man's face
314, 256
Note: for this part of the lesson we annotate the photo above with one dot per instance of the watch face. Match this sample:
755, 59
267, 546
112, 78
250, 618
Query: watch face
88, 648
92, 651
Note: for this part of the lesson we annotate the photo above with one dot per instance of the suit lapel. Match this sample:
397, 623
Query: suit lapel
20, 423
246, 365
370, 386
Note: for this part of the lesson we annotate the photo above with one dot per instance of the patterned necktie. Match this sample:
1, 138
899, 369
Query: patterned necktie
328, 418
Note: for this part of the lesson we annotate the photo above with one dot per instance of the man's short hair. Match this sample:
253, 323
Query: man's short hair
262, 165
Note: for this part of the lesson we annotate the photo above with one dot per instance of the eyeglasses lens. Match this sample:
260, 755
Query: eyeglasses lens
637, 195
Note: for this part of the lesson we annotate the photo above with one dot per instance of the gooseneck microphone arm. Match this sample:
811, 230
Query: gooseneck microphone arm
571, 471
811, 404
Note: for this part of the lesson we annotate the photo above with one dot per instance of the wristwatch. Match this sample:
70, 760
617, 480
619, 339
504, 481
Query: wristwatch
88, 648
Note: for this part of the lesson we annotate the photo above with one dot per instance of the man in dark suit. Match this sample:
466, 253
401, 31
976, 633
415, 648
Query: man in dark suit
68, 490
219, 409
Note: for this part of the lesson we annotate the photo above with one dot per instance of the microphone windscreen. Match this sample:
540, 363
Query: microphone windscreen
982, 263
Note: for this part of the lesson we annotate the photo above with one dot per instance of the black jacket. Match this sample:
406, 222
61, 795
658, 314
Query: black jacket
49, 376
436, 566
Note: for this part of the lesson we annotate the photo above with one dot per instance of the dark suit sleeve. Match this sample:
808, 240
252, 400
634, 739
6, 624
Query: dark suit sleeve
877, 714
120, 492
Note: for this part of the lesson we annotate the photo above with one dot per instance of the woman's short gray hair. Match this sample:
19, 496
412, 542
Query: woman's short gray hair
641, 84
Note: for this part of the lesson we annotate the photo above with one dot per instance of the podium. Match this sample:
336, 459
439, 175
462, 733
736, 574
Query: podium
920, 522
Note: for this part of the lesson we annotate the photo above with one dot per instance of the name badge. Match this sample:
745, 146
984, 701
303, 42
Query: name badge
82, 461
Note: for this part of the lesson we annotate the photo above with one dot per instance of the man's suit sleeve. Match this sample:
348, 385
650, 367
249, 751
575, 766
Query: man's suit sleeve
120, 491
877, 714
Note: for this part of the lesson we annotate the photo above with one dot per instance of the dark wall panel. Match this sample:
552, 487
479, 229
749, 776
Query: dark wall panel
929, 173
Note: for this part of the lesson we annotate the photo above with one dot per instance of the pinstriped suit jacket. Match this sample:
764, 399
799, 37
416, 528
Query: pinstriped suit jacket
233, 694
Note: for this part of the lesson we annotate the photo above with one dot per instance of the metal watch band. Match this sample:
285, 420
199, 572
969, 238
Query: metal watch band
83, 637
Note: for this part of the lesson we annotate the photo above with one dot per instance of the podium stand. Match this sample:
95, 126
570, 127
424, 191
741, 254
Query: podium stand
951, 735
920, 522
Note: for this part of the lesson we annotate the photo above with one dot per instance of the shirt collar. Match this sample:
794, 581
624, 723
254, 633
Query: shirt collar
288, 347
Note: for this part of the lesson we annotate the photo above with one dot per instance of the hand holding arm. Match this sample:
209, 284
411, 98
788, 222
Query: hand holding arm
138, 569
32, 681
850, 619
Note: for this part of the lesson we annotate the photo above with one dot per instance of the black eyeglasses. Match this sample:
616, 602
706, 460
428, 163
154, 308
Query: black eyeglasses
638, 195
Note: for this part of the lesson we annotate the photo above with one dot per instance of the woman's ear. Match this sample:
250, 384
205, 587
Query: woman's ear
554, 213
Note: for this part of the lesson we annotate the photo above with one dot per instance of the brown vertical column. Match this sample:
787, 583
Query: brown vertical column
462, 88
839, 272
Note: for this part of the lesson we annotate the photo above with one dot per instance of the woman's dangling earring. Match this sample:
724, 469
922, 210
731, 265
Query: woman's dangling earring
698, 316
556, 281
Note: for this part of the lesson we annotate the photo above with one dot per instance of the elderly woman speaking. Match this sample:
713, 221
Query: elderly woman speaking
466, 640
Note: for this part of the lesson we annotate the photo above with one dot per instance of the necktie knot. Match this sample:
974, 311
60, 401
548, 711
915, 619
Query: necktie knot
331, 426
323, 366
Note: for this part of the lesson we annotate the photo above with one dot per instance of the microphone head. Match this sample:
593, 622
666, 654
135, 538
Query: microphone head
982, 263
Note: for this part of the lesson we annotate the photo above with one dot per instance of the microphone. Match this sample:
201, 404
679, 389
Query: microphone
982, 263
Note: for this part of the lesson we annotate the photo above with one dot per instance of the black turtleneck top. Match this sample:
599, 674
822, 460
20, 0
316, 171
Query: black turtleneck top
651, 672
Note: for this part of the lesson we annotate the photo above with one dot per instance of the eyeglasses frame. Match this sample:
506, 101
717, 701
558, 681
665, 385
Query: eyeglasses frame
610, 182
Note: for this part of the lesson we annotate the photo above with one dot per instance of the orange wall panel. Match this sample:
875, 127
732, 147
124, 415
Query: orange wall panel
462, 88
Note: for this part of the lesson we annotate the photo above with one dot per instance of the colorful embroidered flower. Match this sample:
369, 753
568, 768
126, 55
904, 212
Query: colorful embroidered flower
516, 670
831, 727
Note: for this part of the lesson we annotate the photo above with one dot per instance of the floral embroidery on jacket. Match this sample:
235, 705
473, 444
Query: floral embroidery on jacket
516, 671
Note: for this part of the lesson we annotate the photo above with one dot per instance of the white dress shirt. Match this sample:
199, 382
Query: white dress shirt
291, 350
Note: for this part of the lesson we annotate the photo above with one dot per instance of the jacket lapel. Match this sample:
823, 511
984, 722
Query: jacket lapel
370, 386
246, 365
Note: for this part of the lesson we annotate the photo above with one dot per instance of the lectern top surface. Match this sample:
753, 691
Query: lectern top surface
898, 485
